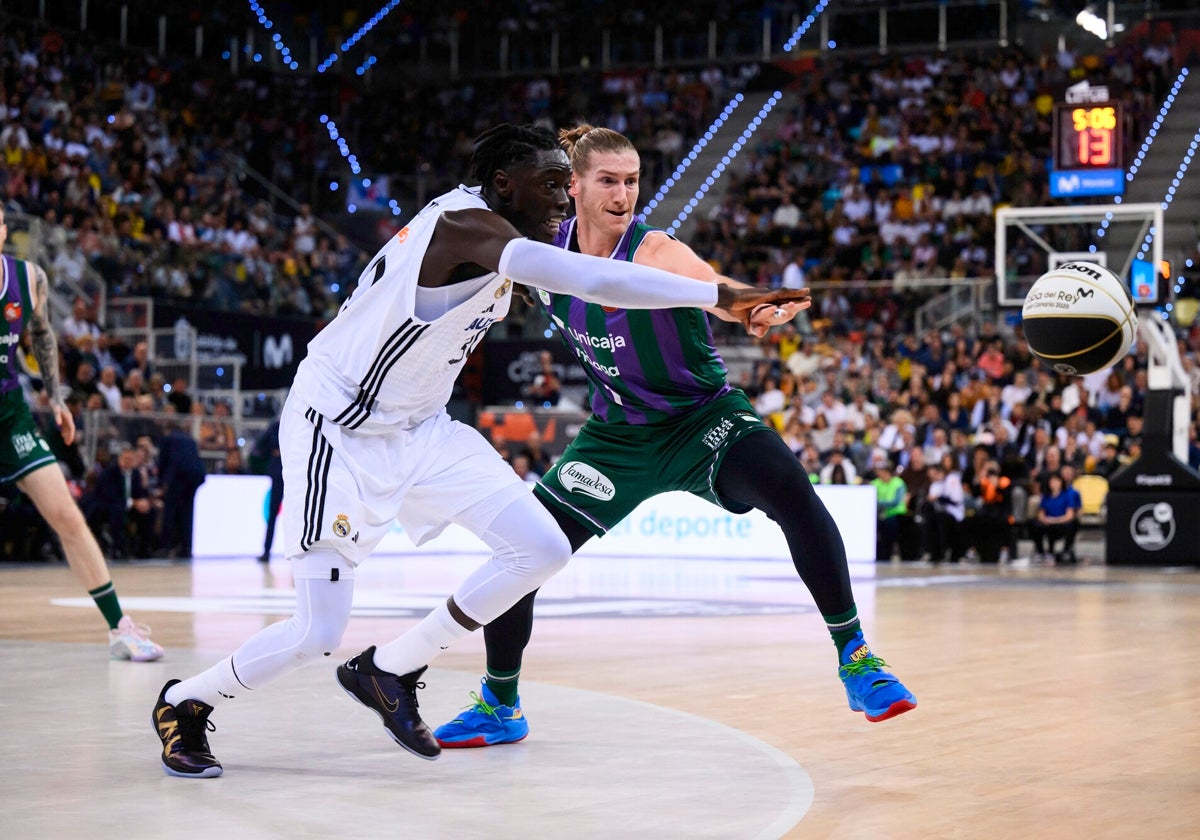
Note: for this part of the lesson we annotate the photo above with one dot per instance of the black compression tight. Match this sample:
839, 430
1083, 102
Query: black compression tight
762, 472
759, 471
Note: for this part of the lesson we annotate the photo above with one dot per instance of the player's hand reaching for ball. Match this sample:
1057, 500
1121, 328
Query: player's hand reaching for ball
758, 309
767, 315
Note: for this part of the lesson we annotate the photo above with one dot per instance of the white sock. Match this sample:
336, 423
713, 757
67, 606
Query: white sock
422, 644
214, 686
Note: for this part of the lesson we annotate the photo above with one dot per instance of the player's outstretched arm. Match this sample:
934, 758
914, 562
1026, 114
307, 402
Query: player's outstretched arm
483, 238
45, 350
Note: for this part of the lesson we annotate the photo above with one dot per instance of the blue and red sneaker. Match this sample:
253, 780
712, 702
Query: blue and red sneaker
485, 723
870, 689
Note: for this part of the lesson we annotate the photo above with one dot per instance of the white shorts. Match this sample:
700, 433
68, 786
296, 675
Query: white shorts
343, 488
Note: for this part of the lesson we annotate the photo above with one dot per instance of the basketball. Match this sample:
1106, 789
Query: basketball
1079, 318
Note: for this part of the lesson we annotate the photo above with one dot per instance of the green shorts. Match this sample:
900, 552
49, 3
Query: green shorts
611, 468
22, 447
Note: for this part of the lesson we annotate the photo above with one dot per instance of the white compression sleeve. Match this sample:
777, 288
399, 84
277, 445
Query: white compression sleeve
601, 280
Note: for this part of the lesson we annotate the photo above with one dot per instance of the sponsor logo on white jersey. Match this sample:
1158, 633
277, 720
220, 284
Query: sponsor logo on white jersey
578, 477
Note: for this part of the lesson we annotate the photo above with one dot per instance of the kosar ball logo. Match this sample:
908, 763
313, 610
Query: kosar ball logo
1153, 526
578, 477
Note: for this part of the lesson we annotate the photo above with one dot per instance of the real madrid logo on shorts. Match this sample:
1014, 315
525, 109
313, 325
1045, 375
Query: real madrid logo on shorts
504, 287
341, 525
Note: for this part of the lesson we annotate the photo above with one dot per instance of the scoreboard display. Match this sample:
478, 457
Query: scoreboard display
1088, 136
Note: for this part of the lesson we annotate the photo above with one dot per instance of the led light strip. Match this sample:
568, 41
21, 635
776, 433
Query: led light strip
331, 127
1142, 152
1162, 114
357, 36
1167, 199
804, 27
286, 54
366, 65
692, 155
754, 125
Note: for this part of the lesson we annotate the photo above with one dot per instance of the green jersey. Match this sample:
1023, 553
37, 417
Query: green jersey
643, 365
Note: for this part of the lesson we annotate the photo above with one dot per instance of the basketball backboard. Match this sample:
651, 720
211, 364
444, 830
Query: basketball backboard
1124, 238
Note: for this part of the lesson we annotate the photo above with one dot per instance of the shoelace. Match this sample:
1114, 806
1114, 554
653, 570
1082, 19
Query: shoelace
411, 690
192, 733
141, 632
481, 705
862, 667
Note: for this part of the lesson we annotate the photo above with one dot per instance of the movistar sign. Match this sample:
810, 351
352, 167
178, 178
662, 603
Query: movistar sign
1070, 183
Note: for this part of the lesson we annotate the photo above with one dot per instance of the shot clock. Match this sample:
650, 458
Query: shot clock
1089, 145
1088, 136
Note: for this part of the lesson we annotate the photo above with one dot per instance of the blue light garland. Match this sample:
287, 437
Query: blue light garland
806, 25
692, 155
1146, 144
357, 36
754, 125
343, 147
285, 54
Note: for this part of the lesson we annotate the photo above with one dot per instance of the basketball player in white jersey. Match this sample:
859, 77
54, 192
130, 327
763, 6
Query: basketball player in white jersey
366, 439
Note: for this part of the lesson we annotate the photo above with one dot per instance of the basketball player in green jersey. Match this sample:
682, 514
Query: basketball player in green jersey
25, 457
664, 417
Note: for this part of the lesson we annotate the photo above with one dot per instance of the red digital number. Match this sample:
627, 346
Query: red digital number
1095, 147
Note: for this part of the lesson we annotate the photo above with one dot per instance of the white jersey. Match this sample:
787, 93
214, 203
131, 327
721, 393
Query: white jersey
379, 365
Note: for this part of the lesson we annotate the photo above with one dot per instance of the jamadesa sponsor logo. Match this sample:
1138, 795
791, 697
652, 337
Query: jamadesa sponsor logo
578, 477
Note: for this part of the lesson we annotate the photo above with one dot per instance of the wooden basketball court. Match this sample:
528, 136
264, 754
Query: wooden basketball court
666, 699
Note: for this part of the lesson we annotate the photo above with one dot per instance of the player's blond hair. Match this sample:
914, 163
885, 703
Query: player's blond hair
582, 141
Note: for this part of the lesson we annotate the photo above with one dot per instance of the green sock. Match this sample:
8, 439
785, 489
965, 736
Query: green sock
842, 627
504, 685
106, 599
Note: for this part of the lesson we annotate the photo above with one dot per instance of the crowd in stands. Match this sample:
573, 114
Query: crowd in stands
155, 442
133, 166
955, 428
889, 170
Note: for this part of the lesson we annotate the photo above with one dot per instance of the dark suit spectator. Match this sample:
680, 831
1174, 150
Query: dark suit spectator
265, 460
992, 525
139, 360
181, 471
119, 506
916, 479
179, 396
1108, 462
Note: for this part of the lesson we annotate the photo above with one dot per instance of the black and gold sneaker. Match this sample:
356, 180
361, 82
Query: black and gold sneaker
183, 730
393, 698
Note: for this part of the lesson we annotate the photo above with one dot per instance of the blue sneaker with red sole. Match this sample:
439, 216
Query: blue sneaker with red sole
486, 723
870, 688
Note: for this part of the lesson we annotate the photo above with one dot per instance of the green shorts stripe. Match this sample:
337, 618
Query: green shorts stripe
611, 468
